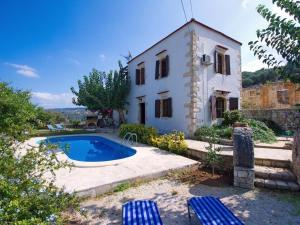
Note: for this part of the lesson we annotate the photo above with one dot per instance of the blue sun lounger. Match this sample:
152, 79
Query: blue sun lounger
141, 212
211, 211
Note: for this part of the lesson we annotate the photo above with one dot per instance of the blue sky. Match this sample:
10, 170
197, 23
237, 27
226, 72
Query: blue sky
46, 46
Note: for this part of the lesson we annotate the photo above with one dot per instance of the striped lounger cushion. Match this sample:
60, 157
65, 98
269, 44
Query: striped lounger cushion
211, 211
141, 212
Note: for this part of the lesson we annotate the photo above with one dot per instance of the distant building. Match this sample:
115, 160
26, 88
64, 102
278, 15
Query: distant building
275, 95
186, 80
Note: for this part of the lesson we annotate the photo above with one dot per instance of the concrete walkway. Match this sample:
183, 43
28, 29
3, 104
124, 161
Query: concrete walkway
259, 153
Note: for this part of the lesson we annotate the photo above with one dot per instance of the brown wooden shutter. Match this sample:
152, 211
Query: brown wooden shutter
157, 108
137, 76
220, 63
213, 107
142, 75
227, 63
157, 70
215, 61
164, 108
233, 104
169, 107
167, 65
163, 68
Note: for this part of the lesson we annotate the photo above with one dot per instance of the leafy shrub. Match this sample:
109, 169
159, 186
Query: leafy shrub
26, 196
75, 123
231, 117
224, 132
144, 133
213, 132
261, 132
173, 142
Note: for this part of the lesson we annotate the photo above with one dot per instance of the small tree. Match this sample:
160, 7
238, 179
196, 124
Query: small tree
281, 35
100, 91
213, 158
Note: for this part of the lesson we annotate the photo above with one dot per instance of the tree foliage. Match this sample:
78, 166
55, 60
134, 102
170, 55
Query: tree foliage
26, 197
281, 35
100, 90
16, 112
27, 175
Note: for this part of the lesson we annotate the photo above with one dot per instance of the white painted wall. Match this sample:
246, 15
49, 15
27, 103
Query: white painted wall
177, 48
209, 79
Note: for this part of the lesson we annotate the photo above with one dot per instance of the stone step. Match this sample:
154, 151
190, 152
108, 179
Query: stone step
273, 173
276, 184
273, 163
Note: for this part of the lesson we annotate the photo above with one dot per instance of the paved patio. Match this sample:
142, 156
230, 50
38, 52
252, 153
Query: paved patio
259, 153
149, 162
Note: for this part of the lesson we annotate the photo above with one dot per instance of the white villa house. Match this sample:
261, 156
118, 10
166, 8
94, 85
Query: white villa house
186, 80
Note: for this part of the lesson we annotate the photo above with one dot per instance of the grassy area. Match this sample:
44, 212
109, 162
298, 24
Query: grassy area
42, 133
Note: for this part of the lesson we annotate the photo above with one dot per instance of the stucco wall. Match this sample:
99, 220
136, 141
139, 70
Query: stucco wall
176, 47
210, 80
190, 84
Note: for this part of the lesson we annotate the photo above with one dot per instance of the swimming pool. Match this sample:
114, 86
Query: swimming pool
91, 148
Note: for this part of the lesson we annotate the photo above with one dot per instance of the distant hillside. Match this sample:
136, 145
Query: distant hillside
263, 76
71, 113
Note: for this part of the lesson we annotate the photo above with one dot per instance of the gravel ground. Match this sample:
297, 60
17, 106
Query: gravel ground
253, 207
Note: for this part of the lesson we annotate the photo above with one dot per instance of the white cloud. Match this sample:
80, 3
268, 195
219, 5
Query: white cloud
50, 100
245, 3
24, 70
102, 57
253, 66
73, 60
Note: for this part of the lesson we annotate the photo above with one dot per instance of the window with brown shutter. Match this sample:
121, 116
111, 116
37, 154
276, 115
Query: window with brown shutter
220, 63
227, 63
142, 76
137, 76
162, 67
157, 108
233, 104
167, 107
220, 107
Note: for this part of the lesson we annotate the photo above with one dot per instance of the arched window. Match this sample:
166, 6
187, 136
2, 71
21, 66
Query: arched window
220, 106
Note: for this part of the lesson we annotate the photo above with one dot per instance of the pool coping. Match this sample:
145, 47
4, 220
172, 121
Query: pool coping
64, 157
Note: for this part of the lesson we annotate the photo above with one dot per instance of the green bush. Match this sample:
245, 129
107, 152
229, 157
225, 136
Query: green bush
144, 133
75, 123
231, 117
173, 142
260, 131
224, 132
213, 132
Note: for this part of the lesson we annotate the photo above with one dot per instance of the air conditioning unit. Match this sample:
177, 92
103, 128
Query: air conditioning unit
205, 60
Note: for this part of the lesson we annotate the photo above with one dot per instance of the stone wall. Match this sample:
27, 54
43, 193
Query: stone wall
296, 155
283, 117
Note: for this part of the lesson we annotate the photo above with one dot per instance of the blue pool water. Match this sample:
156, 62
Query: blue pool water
91, 148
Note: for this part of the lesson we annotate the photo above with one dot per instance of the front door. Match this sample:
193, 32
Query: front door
142, 113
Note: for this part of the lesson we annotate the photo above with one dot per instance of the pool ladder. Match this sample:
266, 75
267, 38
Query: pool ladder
130, 138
